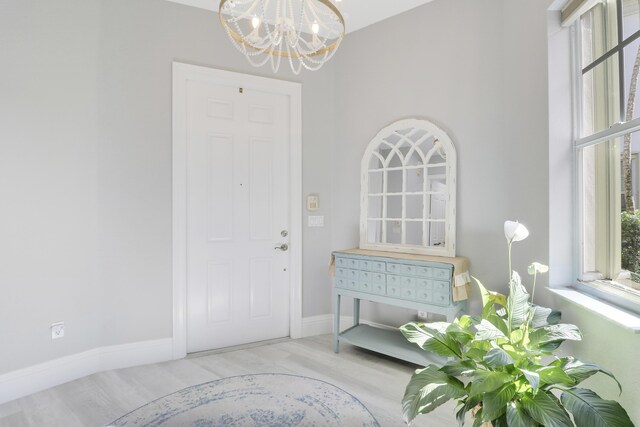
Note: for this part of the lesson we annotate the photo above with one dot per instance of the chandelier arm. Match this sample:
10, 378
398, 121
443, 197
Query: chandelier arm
295, 70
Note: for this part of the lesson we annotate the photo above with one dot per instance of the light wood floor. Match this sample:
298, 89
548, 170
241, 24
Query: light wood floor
378, 382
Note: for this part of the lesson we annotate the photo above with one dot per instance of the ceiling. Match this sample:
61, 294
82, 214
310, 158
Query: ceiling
357, 13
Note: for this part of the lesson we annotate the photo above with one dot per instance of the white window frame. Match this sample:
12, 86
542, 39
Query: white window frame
607, 290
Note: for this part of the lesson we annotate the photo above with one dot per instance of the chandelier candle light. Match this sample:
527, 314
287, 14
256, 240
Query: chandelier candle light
307, 33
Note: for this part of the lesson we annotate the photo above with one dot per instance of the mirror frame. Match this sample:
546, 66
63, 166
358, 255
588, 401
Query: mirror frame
449, 248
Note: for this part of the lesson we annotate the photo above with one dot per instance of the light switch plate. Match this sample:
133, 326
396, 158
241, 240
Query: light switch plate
315, 221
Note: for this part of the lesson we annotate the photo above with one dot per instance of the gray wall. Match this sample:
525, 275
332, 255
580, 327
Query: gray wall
467, 66
85, 169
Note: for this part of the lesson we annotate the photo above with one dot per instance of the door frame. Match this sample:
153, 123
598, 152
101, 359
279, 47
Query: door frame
182, 73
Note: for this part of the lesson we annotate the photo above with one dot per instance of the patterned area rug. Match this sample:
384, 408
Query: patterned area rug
265, 400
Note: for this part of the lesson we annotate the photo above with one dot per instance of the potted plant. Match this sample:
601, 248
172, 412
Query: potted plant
499, 368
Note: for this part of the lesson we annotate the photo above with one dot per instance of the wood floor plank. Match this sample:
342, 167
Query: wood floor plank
377, 381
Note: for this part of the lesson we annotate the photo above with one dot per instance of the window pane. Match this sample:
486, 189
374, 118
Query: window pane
414, 232
375, 182
629, 221
394, 207
631, 74
414, 207
630, 17
374, 210
599, 31
394, 181
436, 233
374, 231
590, 217
600, 97
394, 231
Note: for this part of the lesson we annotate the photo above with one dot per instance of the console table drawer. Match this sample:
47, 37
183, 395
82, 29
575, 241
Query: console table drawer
441, 274
424, 271
408, 293
341, 282
408, 282
441, 286
393, 291
441, 299
394, 268
379, 288
353, 263
342, 262
394, 280
365, 287
424, 295
424, 284
372, 265
369, 276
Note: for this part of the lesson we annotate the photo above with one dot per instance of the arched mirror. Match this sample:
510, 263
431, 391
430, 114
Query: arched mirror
408, 194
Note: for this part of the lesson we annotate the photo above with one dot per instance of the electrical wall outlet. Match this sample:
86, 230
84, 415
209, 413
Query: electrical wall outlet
422, 315
57, 330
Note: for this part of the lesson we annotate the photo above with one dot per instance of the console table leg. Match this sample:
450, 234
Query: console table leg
356, 311
336, 322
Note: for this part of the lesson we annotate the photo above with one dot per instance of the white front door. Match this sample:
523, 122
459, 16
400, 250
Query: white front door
237, 213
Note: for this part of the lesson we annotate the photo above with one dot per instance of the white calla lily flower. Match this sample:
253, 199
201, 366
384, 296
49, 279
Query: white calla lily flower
514, 231
537, 268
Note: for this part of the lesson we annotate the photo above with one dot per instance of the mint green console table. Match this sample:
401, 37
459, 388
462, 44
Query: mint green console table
411, 281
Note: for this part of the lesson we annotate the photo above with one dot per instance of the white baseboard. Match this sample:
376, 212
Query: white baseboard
23, 382
323, 324
26, 381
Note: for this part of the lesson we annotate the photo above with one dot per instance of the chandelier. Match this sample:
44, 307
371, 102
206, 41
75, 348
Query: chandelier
306, 33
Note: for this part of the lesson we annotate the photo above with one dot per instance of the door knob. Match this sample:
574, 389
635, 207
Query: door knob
283, 247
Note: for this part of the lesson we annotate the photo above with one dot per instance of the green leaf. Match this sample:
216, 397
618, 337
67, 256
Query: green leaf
517, 335
545, 409
489, 296
465, 321
580, 371
430, 338
554, 375
457, 367
494, 404
476, 354
554, 333
499, 323
500, 422
487, 381
497, 357
459, 334
533, 378
428, 389
543, 316
468, 405
477, 422
518, 302
517, 416
550, 347
589, 410
488, 331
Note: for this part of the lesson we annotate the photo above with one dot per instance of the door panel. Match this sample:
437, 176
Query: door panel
237, 206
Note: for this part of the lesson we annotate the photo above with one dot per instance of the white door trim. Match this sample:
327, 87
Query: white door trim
181, 74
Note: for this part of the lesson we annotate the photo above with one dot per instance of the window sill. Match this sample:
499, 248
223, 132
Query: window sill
604, 309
